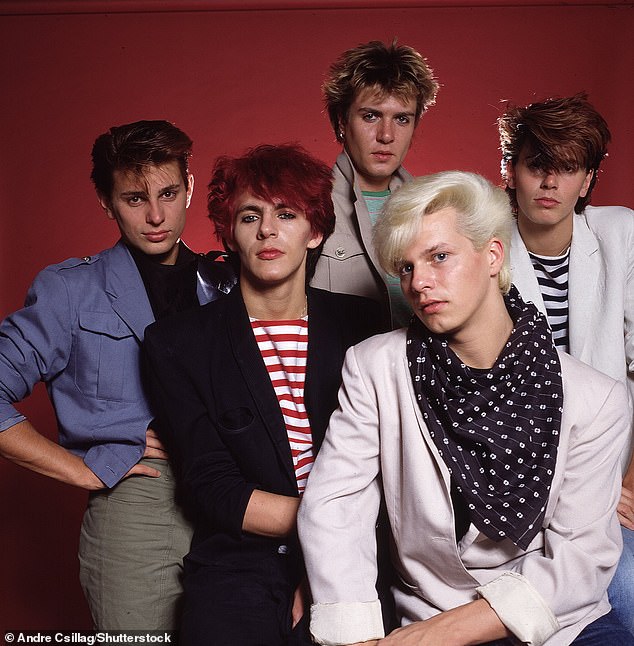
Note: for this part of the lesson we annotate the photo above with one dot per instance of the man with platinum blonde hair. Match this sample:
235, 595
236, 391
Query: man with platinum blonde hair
482, 213
497, 456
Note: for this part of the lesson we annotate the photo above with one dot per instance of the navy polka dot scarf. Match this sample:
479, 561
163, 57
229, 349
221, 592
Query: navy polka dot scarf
496, 430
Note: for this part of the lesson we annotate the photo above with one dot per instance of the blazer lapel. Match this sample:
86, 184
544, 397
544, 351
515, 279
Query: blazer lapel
323, 365
249, 360
583, 278
124, 283
522, 272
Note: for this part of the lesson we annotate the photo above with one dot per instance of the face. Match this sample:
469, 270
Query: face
272, 240
543, 197
377, 135
449, 284
150, 209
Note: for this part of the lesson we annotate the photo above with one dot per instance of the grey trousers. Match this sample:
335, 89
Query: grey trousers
133, 539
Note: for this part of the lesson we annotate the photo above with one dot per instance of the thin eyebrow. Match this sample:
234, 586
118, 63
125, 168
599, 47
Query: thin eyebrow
172, 187
441, 246
133, 194
381, 112
249, 207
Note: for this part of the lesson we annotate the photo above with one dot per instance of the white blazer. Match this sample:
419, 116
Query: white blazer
600, 292
378, 442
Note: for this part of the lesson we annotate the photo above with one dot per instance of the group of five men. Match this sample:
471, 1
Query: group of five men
432, 419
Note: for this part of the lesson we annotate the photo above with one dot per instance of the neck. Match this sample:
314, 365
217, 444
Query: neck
546, 240
274, 303
480, 346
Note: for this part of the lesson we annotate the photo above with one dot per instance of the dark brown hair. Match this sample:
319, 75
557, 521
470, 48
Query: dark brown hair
135, 146
558, 135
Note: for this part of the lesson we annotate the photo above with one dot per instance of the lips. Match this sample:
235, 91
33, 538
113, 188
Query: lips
269, 254
546, 201
382, 155
431, 306
156, 236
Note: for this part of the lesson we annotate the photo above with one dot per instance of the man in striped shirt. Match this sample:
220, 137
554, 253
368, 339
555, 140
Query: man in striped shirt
576, 262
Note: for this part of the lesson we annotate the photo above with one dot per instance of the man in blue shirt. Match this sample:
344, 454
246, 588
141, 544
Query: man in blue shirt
80, 332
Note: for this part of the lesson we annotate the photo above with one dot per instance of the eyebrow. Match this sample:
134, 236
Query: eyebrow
279, 206
403, 113
163, 189
440, 246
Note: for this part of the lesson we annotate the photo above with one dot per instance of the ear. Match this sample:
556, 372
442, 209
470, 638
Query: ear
315, 241
341, 130
510, 174
105, 205
190, 189
496, 256
586, 183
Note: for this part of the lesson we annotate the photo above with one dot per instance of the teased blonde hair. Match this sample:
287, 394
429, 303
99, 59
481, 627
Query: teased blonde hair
483, 212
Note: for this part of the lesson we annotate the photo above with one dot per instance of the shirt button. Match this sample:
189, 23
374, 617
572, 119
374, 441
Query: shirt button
282, 549
340, 252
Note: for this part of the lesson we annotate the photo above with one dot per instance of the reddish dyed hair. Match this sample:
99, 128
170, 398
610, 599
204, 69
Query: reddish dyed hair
284, 172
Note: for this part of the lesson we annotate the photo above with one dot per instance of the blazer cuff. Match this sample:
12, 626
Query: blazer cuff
520, 608
335, 624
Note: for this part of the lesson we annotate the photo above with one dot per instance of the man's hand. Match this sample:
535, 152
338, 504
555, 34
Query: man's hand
473, 623
625, 509
301, 600
23, 445
153, 446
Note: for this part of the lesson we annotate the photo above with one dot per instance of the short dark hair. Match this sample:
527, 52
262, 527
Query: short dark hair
391, 69
135, 146
286, 172
558, 134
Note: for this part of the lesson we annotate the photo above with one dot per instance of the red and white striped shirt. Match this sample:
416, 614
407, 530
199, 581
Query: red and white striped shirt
284, 348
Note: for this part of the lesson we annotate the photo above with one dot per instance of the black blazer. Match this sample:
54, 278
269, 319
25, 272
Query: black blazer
219, 414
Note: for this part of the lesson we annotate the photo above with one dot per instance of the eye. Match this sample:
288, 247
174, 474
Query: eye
370, 117
248, 218
405, 268
286, 215
169, 194
134, 200
403, 119
440, 256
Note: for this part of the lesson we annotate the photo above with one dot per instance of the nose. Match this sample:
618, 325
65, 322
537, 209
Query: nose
385, 131
549, 179
422, 278
154, 214
268, 226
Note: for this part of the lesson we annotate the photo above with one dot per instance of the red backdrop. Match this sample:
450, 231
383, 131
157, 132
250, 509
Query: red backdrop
233, 75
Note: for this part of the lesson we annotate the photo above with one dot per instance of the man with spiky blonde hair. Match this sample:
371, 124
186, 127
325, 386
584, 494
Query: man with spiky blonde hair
375, 95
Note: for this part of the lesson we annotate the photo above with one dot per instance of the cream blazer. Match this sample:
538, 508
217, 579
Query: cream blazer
377, 442
600, 292
348, 263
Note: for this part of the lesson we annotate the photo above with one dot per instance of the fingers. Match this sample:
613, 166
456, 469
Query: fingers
153, 446
625, 509
142, 470
297, 611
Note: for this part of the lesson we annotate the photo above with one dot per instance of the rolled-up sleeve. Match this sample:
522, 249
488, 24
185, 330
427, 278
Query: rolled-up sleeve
35, 343
566, 580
